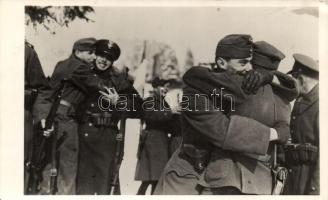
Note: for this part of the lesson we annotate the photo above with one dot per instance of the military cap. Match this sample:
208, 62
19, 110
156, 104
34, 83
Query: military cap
305, 65
157, 82
84, 44
266, 55
234, 46
108, 48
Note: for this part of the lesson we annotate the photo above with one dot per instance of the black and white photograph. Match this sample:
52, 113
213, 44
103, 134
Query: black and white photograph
156, 99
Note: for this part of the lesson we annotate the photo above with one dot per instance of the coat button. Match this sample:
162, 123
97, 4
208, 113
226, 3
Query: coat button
291, 131
90, 124
293, 117
249, 181
86, 134
92, 105
313, 188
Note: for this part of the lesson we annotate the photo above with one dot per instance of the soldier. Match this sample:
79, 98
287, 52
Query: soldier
256, 175
82, 54
35, 82
101, 111
215, 157
303, 152
67, 127
153, 150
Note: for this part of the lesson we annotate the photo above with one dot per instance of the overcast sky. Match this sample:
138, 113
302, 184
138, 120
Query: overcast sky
292, 30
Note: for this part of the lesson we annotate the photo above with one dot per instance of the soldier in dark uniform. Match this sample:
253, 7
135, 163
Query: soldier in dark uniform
67, 127
101, 111
82, 55
303, 152
251, 173
222, 155
35, 82
153, 150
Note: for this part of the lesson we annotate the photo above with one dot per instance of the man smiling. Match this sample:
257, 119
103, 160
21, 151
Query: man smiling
219, 153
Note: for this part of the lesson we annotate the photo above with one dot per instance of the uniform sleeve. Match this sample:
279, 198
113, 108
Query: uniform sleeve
236, 133
86, 80
153, 112
34, 77
134, 101
282, 118
206, 82
286, 87
315, 176
42, 104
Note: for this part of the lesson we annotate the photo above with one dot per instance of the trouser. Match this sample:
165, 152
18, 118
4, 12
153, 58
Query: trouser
68, 158
144, 186
28, 142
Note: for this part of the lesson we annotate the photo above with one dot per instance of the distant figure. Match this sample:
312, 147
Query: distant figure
153, 150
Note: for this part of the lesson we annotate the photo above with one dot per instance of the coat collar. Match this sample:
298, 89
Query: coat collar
303, 103
313, 95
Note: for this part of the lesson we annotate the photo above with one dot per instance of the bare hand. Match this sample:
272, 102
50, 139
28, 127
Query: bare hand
111, 95
46, 132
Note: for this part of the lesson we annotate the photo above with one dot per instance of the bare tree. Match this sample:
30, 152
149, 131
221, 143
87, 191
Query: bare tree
62, 16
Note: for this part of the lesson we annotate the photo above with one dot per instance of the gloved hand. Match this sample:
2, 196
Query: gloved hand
254, 79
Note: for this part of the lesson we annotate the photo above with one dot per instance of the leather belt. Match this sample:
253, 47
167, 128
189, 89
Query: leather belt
100, 119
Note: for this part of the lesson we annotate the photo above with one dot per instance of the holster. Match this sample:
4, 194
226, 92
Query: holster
301, 153
198, 158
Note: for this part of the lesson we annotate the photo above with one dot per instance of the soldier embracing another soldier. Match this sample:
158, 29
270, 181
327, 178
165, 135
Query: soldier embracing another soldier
240, 134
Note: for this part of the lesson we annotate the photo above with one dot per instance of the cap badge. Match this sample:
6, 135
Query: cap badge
110, 44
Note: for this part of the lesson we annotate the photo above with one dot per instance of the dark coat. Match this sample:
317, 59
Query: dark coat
63, 70
34, 76
97, 143
35, 81
154, 143
238, 143
67, 125
304, 178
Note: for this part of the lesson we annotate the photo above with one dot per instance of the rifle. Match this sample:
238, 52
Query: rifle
114, 186
42, 153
